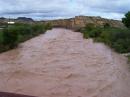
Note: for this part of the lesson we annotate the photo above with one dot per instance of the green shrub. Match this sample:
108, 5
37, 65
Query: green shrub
12, 35
95, 33
89, 27
85, 35
119, 46
105, 37
10, 38
91, 31
118, 39
126, 20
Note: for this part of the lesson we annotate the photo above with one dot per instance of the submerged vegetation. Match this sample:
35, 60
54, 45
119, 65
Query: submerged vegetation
12, 35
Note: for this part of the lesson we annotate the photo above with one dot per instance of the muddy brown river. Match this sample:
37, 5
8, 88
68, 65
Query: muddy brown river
61, 63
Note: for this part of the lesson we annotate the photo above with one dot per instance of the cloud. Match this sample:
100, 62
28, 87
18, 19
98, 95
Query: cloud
52, 9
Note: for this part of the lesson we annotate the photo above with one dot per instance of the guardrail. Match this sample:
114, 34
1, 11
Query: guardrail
6, 94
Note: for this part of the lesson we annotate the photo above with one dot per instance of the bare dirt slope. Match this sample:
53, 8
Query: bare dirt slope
61, 63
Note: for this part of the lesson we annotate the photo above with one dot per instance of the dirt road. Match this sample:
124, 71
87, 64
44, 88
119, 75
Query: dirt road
61, 63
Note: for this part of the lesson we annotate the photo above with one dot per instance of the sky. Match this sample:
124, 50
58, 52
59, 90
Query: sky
55, 9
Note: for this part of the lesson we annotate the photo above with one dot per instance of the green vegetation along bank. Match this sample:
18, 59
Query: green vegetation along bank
117, 38
12, 35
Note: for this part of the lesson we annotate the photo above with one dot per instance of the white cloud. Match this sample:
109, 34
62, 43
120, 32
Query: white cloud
46, 9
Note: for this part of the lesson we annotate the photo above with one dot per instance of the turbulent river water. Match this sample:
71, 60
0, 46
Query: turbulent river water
61, 63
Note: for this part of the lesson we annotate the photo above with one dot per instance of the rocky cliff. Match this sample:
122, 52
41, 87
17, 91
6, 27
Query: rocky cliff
81, 21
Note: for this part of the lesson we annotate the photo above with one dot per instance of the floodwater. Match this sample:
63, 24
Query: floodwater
61, 63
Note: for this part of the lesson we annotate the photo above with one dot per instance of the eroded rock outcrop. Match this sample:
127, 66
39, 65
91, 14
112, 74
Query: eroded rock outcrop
81, 21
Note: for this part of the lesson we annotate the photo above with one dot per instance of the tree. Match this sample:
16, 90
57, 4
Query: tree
126, 19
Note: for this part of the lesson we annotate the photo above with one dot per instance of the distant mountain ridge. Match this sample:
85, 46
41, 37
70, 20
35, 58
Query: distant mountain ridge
19, 19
